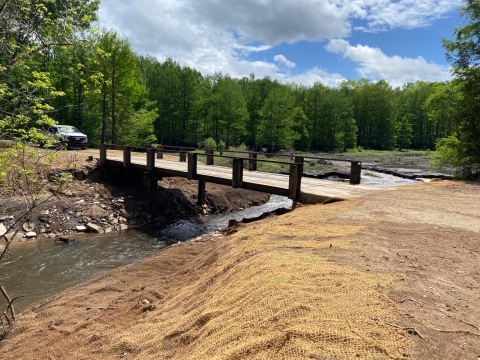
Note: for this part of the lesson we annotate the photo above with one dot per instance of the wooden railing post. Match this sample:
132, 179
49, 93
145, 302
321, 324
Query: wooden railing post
252, 162
355, 172
103, 154
183, 156
294, 182
299, 160
159, 152
192, 166
237, 173
150, 159
209, 157
127, 156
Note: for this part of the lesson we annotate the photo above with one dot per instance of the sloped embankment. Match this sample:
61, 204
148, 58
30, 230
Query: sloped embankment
260, 292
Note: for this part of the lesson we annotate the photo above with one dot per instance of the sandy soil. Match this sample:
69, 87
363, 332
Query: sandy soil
392, 276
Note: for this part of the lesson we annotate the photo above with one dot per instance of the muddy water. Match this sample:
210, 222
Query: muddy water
45, 268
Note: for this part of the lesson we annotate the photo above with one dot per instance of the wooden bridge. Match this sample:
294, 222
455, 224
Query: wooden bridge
243, 173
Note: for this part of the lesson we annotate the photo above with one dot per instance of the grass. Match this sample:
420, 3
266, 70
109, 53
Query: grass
264, 166
387, 157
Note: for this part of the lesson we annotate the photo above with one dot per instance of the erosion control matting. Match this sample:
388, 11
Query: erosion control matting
321, 282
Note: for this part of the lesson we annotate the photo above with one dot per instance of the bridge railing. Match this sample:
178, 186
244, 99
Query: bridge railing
253, 160
295, 168
355, 166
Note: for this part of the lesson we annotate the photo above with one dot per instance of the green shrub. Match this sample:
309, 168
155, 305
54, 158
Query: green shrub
210, 144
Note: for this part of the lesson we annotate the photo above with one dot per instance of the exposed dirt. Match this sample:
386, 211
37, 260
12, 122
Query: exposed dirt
392, 276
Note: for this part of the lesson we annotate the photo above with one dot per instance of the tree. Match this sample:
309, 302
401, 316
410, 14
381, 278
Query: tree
275, 130
464, 54
299, 122
29, 29
231, 111
404, 133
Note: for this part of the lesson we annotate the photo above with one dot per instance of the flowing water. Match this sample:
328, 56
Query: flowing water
44, 268
379, 179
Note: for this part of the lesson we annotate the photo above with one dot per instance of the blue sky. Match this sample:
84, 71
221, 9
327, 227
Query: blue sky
300, 41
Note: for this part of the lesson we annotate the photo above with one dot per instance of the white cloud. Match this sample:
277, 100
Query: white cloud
249, 49
314, 75
375, 65
384, 14
213, 35
283, 60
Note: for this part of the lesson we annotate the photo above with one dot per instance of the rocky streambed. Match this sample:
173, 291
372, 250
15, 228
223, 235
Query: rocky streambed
88, 206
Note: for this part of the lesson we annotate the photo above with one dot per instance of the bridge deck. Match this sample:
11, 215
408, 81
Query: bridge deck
312, 190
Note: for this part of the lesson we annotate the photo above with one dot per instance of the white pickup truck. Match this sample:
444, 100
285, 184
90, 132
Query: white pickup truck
66, 135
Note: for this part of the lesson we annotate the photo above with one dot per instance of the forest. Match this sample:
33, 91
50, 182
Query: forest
91, 78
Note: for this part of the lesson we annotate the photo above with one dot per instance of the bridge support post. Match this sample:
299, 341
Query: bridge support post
192, 166
159, 152
153, 195
355, 172
127, 156
237, 173
201, 192
252, 163
150, 160
103, 154
209, 157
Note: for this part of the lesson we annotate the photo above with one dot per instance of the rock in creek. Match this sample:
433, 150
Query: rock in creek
18, 237
94, 227
97, 211
81, 228
66, 240
3, 230
28, 226
30, 234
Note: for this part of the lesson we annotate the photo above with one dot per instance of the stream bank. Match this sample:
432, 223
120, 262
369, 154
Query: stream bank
101, 207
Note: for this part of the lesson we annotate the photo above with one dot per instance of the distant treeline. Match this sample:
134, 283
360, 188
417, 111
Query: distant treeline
116, 96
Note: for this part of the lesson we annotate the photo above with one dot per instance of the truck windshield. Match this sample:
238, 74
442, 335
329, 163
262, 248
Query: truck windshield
67, 129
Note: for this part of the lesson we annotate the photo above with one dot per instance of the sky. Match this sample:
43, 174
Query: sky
301, 41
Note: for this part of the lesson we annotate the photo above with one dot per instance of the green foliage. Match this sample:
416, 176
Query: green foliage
276, 128
113, 95
210, 144
403, 133
447, 152
299, 122
242, 147
221, 145
464, 54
